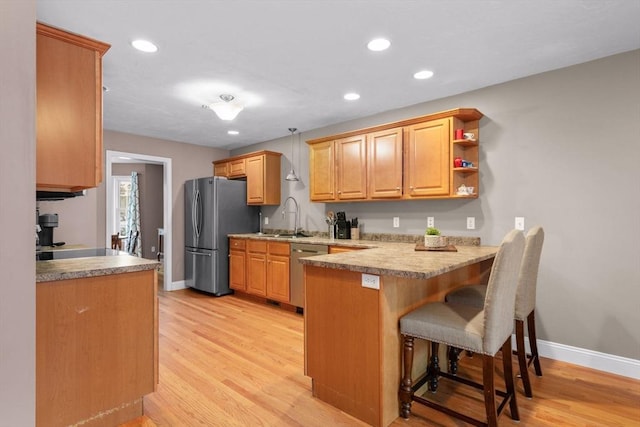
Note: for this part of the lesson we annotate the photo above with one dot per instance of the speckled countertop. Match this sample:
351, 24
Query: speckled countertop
77, 268
392, 258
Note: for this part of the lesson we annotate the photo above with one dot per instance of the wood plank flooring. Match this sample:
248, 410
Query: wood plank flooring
233, 362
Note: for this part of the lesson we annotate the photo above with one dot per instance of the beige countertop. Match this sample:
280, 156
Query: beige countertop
76, 268
391, 258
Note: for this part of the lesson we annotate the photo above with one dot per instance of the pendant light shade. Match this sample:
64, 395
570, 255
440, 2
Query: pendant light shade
291, 176
227, 109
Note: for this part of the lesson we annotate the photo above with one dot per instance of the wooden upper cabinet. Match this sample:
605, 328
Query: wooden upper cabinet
427, 159
384, 166
263, 179
236, 168
407, 160
351, 167
262, 172
221, 169
322, 171
68, 110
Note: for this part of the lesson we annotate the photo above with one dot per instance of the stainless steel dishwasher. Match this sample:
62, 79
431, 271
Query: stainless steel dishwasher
296, 270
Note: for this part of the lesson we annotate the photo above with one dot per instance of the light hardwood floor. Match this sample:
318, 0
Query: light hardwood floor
233, 362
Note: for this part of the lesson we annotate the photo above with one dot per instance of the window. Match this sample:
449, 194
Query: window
122, 185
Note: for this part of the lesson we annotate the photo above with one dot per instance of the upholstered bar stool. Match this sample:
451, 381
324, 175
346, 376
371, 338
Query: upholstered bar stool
483, 330
525, 306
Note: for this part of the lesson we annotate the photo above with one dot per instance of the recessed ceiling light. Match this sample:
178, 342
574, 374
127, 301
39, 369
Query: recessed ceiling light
233, 132
144, 46
352, 96
377, 45
424, 74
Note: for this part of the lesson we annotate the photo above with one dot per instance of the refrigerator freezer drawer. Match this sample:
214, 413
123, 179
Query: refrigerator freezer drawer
202, 271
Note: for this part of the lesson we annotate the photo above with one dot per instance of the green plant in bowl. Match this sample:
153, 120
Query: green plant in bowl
433, 239
432, 231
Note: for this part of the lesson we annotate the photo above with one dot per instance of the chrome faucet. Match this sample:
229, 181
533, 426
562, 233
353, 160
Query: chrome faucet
296, 213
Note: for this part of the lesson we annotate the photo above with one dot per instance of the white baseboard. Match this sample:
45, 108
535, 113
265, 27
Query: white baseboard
176, 286
588, 358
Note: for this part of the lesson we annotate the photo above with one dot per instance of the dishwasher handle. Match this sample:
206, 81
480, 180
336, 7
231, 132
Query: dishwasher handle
301, 251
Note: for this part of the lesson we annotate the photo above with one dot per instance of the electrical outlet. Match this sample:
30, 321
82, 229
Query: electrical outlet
396, 221
471, 223
520, 223
266, 220
430, 222
370, 281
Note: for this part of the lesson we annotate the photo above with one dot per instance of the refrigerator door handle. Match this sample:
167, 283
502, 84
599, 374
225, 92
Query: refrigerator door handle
197, 226
198, 253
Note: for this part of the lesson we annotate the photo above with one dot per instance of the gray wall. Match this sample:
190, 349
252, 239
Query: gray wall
17, 212
558, 148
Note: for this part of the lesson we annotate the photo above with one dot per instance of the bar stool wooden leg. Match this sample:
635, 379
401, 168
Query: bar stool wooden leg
488, 366
509, 382
522, 359
533, 343
405, 393
433, 370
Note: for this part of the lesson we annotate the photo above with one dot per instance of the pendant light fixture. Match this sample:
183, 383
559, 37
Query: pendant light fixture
291, 176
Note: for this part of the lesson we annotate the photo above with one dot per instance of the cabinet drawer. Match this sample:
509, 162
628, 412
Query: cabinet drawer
257, 246
279, 248
239, 244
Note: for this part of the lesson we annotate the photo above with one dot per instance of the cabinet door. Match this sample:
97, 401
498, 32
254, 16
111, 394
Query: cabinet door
221, 169
278, 278
237, 269
68, 110
322, 171
237, 168
427, 159
255, 180
384, 172
257, 273
351, 156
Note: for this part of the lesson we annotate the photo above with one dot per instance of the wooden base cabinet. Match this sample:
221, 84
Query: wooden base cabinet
96, 348
278, 259
237, 265
267, 273
68, 110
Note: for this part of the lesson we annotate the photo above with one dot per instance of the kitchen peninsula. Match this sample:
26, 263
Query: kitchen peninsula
352, 339
96, 339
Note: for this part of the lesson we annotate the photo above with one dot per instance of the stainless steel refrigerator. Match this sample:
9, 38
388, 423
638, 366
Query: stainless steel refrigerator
214, 207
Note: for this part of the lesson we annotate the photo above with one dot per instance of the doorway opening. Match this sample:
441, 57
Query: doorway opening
123, 157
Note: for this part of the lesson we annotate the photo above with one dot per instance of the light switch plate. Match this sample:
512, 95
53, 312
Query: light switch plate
370, 281
519, 223
266, 220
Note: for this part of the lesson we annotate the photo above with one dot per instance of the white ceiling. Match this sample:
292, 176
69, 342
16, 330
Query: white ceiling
297, 58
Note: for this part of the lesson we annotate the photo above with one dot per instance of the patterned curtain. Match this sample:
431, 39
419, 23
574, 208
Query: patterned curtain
134, 236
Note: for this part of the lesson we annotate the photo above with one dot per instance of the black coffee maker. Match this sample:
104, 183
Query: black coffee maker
47, 223
343, 227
